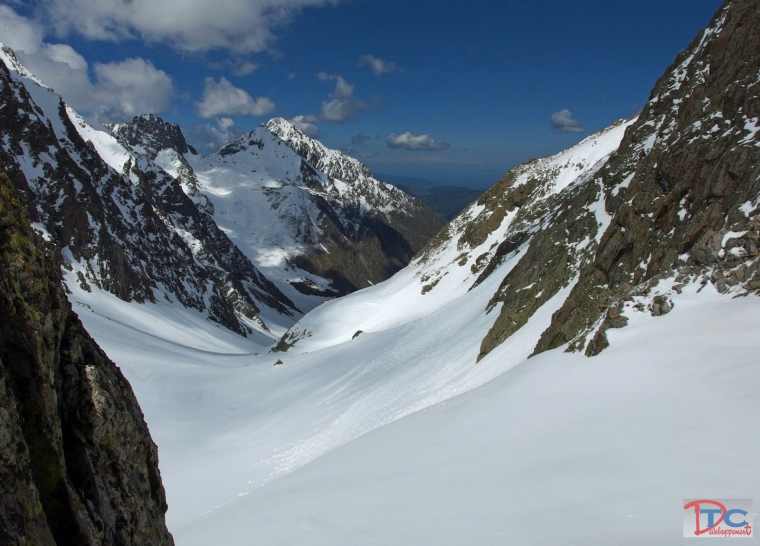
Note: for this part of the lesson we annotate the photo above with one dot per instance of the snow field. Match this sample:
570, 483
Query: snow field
561, 449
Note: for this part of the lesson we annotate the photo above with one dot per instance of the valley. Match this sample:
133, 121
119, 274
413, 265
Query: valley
322, 358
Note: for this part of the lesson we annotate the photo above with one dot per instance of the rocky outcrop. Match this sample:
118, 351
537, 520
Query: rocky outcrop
77, 464
678, 200
548, 263
152, 134
683, 189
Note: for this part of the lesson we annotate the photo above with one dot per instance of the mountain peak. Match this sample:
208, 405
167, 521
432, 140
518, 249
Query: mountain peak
8, 56
152, 133
334, 163
285, 129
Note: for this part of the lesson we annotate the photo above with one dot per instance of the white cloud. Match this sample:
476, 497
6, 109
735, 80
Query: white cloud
242, 26
64, 53
224, 99
563, 122
225, 123
379, 66
130, 88
415, 143
306, 124
342, 106
19, 33
243, 68
120, 91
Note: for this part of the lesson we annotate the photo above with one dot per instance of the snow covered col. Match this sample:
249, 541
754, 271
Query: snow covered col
727, 518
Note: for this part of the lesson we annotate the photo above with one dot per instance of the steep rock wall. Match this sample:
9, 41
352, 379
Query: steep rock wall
77, 464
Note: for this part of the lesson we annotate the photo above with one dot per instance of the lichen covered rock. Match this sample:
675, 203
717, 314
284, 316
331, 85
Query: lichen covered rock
77, 463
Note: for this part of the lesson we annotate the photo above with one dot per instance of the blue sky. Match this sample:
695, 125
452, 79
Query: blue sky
453, 91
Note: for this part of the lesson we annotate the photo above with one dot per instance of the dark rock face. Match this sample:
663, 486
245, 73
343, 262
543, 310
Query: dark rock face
77, 463
548, 263
691, 208
153, 134
681, 194
365, 249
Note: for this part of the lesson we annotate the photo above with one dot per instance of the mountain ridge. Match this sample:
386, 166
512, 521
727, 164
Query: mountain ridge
621, 222
135, 220
333, 235
111, 219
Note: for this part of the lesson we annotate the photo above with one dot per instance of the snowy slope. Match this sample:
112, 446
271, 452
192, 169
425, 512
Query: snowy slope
451, 264
559, 450
298, 452
227, 424
259, 194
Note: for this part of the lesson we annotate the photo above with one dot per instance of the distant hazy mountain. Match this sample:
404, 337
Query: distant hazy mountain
448, 201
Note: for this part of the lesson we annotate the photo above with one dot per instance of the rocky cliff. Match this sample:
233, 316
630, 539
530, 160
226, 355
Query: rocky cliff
683, 189
678, 201
77, 464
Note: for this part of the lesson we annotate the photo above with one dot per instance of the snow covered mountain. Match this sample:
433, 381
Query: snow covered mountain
454, 403
250, 238
123, 225
313, 220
